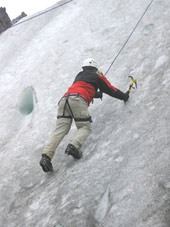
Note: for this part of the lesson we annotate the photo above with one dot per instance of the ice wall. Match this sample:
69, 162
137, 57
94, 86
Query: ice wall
123, 178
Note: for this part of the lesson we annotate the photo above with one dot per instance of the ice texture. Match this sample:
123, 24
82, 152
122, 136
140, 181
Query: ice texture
128, 150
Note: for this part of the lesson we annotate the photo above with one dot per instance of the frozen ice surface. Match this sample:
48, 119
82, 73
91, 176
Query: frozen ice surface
128, 150
103, 207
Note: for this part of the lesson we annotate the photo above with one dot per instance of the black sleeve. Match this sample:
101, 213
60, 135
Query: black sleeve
121, 95
106, 87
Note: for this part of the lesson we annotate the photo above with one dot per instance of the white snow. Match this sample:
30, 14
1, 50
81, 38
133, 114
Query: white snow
128, 150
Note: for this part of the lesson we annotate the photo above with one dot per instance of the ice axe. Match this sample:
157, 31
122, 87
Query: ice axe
133, 82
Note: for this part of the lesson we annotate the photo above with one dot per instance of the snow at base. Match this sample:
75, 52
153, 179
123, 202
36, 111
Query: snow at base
123, 178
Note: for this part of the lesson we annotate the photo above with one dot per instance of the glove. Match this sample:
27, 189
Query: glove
99, 94
99, 72
126, 96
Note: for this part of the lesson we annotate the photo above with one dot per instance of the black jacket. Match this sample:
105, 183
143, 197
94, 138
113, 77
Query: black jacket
88, 82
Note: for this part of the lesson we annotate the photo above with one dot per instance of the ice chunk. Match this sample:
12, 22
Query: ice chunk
148, 28
103, 207
58, 226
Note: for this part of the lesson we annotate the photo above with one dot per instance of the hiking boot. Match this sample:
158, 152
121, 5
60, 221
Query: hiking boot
46, 164
73, 151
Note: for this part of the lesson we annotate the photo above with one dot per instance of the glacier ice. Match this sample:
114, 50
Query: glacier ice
128, 150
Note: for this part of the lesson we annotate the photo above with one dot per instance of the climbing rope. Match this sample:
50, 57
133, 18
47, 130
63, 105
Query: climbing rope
128, 38
41, 13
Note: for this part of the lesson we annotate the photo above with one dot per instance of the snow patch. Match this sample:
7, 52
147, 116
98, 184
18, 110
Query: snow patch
136, 136
119, 159
162, 60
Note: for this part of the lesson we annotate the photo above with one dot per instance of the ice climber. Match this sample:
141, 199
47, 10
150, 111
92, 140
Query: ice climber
88, 84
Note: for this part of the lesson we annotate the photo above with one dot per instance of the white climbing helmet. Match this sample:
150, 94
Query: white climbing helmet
90, 62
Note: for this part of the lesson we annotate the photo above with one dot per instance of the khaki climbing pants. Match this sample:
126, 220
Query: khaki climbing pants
68, 108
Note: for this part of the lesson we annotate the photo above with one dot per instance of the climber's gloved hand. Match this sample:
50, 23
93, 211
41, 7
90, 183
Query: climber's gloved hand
99, 94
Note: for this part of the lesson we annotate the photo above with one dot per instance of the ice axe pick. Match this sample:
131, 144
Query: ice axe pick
133, 82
